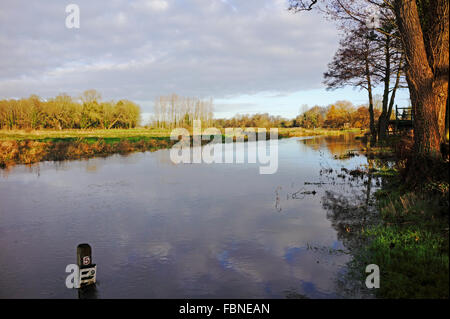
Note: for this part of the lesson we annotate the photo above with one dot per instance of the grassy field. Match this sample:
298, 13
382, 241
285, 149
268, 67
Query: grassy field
298, 131
113, 135
138, 133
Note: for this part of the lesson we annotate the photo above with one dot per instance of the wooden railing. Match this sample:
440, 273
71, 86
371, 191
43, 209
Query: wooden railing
404, 120
403, 114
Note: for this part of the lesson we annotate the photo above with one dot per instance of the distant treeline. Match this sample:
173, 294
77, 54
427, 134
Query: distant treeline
341, 114
89, 111
65, 112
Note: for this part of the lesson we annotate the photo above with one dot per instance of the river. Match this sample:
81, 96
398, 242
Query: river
161, 230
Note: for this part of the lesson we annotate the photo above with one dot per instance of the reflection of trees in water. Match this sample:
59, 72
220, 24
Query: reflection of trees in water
349, 202
349, 215
336, 145
351, 210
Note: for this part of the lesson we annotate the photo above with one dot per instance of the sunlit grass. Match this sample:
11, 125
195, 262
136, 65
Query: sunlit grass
411, 247
49, 135
413, 261
299, 131
78, 133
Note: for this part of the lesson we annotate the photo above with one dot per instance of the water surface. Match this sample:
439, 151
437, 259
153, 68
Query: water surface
160, 230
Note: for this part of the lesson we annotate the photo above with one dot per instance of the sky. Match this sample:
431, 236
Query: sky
250, 56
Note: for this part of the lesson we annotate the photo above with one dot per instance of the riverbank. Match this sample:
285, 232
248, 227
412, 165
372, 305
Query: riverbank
32, 146
31, 151
411, 245
140, 133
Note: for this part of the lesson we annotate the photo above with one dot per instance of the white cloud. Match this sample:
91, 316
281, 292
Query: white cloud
153, 5
121, 19
148, 48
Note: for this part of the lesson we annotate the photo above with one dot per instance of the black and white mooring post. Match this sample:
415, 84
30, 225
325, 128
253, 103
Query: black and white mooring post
88, 270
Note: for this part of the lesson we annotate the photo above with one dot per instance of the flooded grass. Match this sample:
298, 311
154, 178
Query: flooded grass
411, 242
347, 155
408, 238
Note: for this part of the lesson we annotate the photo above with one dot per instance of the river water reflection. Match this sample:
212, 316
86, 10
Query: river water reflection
160, 230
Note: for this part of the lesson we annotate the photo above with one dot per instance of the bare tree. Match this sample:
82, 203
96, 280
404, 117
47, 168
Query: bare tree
177, 111
389, 64
353, 64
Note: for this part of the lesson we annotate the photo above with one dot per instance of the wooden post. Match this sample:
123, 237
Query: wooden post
88, 270
84, 255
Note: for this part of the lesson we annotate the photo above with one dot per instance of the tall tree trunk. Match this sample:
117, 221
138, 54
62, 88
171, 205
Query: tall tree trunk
382, 120
447, 115
426, 71
373, 130
394, 90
